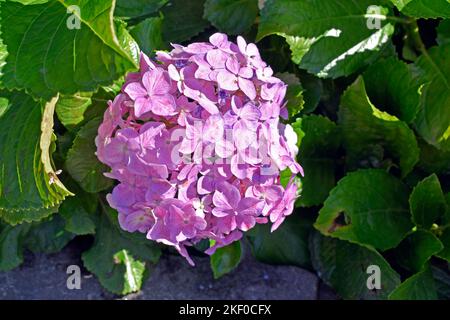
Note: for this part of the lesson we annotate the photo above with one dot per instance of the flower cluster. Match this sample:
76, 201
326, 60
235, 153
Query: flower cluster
195, 141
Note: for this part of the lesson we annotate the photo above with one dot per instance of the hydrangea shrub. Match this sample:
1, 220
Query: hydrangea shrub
196, 142
197, 147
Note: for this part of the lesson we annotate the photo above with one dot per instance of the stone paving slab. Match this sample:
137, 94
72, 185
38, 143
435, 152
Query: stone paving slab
43, 276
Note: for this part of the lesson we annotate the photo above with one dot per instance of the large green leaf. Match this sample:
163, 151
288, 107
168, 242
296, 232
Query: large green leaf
369, 133
344, 266
433, 118
75, 110
45, 56
77, 215
446, 218
443, 32
134, 271
118, 271
427, 202
137, 8
442, 282
445, 240
287, 245
432, 159
294, 93
393, 87
48, 236
332, 38
416, 249
231, 16
367, 207
225, 259
82, 163
424, 8
71, 108
317, 156
11, 245
183, 20
312, 91
29, 187
148, 35
420, 286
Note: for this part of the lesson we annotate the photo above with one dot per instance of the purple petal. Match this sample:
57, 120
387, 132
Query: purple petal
218, 39
248, 87
227, 80
220, 213
141, 106
157, 82
216, 58
173, 73
249, 203
242, 44
163, 105
245, 222
246, 72
250, 112
233, 65
238, 168
135, 90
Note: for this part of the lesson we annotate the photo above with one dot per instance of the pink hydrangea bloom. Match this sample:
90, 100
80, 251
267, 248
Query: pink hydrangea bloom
195, 142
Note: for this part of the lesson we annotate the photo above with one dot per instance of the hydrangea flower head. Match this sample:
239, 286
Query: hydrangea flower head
196, 144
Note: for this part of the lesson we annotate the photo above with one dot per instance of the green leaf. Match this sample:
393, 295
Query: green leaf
75, 110
443, 32
102, 260
433, 160
46, 57
369, 133
313, 90
225, 259
3, 55
231, 16
318, 157
330, 38
78, 218
183, 20
433, 118
29, 187
294, 93
367, 207
420, 286
131, 9
446, 218
442, 282
148, 34
287, 245
445, 240
48, 236
82, 163
11, 246
424, 8
299, 47
343, 266
31, 1
416, 249
427, 202
71, 108
393, 87
134, 271
275, 52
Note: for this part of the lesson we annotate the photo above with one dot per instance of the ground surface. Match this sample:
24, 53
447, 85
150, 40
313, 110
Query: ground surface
44, 277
